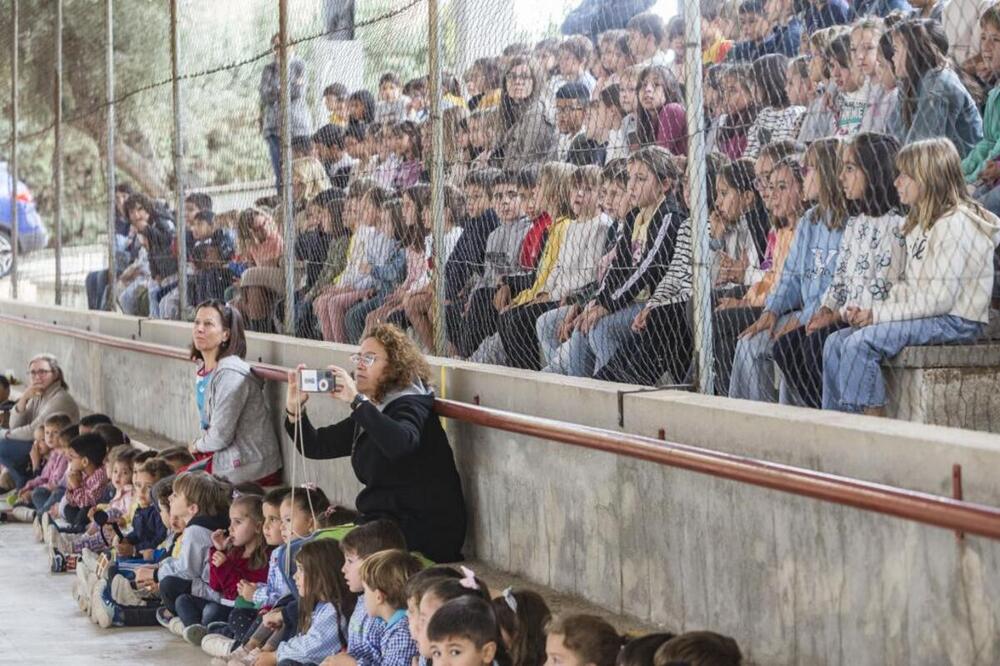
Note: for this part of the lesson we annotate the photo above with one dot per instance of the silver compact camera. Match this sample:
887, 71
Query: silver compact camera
317, 381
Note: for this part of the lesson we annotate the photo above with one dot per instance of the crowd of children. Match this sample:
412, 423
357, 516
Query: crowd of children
283, 577
568, 246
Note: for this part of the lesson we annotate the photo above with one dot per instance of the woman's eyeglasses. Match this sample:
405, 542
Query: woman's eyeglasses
363, 360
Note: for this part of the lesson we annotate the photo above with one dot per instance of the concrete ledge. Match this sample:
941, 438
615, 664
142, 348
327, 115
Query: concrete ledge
978, 355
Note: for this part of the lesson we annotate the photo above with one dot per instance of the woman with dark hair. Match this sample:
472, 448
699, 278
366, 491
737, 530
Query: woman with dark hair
527, 134
360, 109
932, 100
660, 114
398, 448
46, 395
236, 437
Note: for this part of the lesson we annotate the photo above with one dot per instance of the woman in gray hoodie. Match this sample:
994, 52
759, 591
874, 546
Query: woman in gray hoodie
236, 429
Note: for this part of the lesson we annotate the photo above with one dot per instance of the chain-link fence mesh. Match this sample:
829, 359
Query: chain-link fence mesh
741, 204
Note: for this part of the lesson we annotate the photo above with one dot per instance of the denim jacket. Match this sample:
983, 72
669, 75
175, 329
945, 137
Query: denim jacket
944, 109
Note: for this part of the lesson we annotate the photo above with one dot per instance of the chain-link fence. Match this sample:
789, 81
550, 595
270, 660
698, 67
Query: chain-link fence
741, 204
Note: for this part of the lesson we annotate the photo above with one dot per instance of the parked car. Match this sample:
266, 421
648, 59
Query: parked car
31, 232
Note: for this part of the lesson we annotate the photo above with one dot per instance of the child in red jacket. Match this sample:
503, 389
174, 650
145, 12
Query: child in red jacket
240, 555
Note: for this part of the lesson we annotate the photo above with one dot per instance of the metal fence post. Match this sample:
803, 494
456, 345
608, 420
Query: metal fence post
286, 168
58, 158
182, 281
702, 279
109, 73
14, 220
437, 176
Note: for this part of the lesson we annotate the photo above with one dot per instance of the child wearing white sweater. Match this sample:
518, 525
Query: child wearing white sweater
944, 295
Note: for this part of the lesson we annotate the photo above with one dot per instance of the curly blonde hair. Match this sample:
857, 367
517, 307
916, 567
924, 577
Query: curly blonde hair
405, 364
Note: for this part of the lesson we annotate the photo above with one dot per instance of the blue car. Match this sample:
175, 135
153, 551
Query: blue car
31, 232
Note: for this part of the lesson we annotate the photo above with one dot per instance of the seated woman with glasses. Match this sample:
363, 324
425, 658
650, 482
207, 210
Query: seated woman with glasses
46, 395
398, 448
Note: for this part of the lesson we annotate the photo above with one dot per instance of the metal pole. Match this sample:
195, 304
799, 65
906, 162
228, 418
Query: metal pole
15, 220
437, 176
109, 74
702, 285
58, 159
182, 284
286, 168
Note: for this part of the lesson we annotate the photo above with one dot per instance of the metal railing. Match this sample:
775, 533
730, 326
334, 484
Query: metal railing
926, 508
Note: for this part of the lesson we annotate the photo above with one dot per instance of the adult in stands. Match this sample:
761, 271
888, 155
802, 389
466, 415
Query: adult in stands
270, 102
47, 394
236, 433
398, 448
528, 133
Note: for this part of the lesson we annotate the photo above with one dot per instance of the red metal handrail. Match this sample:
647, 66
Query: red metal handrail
912, 505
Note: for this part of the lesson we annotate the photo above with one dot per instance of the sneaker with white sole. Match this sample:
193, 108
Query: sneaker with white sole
123, 593
50, 534
90, 560
23, 514
46, 522
163, 617
63, 542
37, 526
246, 659
106, 612
176, 626
217, 645
193, 633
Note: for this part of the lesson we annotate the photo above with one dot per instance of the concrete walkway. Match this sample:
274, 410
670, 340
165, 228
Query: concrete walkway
41, 624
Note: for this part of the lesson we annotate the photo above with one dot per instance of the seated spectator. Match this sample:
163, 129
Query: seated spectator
944, 294
821, 14
927, 9
572, 58
96, 282
386, 267
47, 488
416, 91
335, 102
646, 33
873, 46
392, 104
400, 450
482, 81
582, 639
716, 19
47, 394
818, 121
467, 624
360, 110
778, 119
211, 253
753, 369
755, 27
649, 235
406, 136
853, 90
699, 648
331, 149
157, 234
571, 101
881, 8
932, 100
261, 249
741, 110
326, 218
86, 482
660, 114
981, 166
527, 133
567, 268
866, 181
236, 435
614, 56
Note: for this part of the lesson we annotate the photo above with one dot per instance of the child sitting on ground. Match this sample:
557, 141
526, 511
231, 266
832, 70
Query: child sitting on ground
522, 616
699, 648
41, 492
13, 507
202, 505
324, 605
575, 640
467, 627
384, 577
86, 482
237, 556
178, 457
430, 590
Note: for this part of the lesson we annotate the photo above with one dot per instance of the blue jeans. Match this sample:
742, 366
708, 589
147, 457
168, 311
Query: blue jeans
196, 610
852, 357
753, 367
274, 150
354, 318
583, 355
15, 455
43, 499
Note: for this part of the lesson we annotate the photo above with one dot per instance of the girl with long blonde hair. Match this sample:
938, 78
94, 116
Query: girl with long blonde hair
944, 295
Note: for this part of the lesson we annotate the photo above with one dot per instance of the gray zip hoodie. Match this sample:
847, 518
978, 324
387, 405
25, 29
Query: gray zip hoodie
240, 432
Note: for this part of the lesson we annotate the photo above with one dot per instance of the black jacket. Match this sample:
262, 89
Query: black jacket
160, 244
468, 256
403, 458
627, 277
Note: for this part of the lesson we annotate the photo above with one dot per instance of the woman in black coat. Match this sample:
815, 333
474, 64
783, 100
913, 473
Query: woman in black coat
398, 448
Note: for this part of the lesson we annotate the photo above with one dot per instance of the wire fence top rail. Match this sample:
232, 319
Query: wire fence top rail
926, 508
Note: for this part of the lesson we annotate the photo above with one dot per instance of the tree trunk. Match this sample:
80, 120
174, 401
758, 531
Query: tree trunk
147, 176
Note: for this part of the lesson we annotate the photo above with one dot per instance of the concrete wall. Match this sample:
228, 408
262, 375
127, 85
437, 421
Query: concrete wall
796, 581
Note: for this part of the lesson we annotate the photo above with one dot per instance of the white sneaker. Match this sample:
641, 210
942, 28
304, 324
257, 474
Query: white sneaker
123, 593
37, 526
50, 534
22, 514
247, 658
88, 560
176, 626
63, 542
219, 646
98, 613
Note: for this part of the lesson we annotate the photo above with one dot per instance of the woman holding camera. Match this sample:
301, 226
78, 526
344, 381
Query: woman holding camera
398, 448
236, 431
